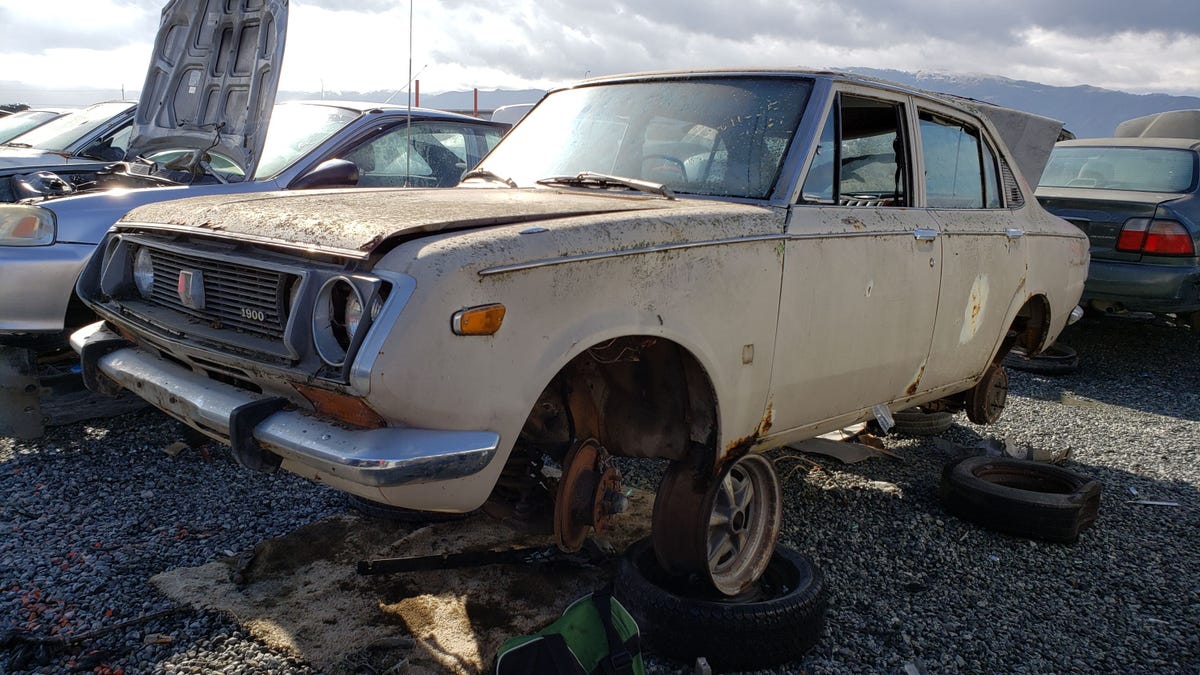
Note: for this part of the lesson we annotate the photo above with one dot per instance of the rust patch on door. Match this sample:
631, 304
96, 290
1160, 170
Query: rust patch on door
912, 388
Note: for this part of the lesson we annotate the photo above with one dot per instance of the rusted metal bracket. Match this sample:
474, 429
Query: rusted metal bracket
590, 555
20, 407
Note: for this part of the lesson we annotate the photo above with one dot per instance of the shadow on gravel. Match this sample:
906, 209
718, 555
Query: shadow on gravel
1131, 363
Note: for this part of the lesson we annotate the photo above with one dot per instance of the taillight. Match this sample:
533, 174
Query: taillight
1159, 237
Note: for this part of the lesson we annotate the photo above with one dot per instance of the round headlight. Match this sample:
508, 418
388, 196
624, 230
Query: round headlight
143, 272
336, 316
354, 314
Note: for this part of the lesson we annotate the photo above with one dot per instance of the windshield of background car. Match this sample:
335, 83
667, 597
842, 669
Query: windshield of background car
721, 136
18, 123
1121, 168
295, 130
59, 134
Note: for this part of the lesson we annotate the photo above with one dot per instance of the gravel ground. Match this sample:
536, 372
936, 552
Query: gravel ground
91, 511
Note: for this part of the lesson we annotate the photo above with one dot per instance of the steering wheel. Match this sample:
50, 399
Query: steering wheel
669, 164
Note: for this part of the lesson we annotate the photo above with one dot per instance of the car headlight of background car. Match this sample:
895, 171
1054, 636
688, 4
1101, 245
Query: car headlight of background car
22, 225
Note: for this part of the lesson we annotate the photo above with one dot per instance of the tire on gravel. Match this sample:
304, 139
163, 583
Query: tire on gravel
398, 514
776, 621
917, 422
1055, 360
1021, 497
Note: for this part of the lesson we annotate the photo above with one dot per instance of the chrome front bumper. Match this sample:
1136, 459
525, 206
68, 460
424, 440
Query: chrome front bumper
378, 458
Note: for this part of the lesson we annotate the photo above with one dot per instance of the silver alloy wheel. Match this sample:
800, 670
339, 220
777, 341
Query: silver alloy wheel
721, 529
744, 523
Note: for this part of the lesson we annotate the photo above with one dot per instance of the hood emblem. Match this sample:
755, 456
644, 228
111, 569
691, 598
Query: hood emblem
191, 288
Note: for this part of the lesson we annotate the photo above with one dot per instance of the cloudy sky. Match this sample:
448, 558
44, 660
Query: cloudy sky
1144, 46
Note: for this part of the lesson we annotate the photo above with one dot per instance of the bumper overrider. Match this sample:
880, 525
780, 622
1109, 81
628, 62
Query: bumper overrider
262, 433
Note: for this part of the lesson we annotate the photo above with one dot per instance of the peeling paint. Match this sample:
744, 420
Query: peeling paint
974, 311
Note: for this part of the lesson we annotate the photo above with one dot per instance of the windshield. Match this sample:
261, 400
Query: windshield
18, 123
295, 129
724, 136
1121, 168
58, 135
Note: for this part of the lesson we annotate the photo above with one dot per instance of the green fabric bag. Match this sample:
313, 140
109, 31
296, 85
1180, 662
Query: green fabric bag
594, 636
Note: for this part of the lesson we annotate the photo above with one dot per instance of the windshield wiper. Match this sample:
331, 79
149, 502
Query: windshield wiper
591, 178
488, 175
17, 145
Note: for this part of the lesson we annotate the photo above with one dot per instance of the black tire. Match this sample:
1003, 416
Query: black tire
775, 622
372, 509
917, 422
1055, 360
1021, 497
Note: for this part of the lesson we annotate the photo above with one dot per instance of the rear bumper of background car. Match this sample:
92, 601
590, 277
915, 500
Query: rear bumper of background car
373, 458
1139, 287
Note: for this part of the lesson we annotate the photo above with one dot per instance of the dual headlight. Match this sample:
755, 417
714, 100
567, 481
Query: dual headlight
22, 225
337, 317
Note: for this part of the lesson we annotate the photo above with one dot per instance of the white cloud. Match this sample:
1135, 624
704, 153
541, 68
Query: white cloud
459, 44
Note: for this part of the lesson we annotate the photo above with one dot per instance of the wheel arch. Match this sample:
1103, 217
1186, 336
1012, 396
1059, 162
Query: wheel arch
640, 395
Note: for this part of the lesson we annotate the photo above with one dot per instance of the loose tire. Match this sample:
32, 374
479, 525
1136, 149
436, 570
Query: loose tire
1021, 497
1055, 360
777, 620
917, 422
398, 514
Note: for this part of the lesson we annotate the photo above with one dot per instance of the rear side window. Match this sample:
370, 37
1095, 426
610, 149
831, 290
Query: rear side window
1121, 168
960, 167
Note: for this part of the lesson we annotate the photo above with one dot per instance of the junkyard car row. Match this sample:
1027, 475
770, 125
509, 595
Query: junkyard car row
181, 144
692, 266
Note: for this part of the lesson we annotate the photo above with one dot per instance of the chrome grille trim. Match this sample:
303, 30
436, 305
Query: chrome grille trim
229, 289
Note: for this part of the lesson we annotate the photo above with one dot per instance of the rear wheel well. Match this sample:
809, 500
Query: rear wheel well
1029, 328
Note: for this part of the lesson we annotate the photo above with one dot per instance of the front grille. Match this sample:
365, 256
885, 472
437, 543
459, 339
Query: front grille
235, 296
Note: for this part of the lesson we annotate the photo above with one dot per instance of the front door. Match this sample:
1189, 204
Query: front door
861, 273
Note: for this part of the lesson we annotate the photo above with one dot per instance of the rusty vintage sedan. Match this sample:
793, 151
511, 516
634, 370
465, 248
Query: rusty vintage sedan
689, 266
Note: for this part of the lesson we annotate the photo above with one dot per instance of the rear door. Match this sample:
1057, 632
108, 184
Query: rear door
983, 242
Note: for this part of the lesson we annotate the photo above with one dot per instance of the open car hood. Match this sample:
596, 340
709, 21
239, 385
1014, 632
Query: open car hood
215, 67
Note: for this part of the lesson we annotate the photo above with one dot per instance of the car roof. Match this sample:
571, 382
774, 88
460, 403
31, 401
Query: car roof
367, 106
1178, 143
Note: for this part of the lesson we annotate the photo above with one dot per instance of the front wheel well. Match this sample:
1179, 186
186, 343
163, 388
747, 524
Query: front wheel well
638, 395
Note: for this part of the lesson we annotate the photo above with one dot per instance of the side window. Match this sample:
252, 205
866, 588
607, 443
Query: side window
861, 158
430, 155
954, 164
991, 179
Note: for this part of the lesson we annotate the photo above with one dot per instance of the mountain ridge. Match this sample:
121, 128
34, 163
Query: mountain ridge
1087, 110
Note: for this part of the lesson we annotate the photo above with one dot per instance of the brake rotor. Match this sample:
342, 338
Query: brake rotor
589, 494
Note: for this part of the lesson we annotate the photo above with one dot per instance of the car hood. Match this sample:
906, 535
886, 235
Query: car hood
212, 78
13, 158
361, 221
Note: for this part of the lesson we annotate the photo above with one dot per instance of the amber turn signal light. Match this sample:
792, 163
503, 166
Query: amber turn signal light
482, 320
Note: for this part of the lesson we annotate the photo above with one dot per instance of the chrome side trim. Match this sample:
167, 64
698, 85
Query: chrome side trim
546, 262
403, 287
387, 457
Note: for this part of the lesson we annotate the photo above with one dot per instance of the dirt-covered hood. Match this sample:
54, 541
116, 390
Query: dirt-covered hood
361, 220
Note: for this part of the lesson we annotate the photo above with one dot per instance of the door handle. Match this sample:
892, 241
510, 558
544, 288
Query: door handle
924, 234
1014, 233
